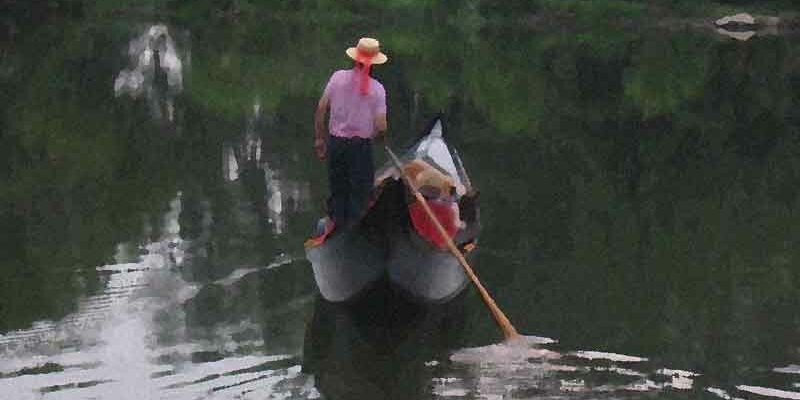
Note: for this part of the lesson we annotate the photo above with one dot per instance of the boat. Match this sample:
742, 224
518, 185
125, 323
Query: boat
395, 242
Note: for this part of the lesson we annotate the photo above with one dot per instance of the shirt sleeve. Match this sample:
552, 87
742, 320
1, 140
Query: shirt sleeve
329, 85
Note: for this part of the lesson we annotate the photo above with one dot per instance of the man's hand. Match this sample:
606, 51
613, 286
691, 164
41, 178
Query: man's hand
383, 139
321, 148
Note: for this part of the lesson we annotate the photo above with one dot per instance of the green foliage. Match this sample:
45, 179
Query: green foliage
593, 11
658, 88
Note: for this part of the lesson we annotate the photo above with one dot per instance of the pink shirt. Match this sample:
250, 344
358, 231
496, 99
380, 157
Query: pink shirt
353, 114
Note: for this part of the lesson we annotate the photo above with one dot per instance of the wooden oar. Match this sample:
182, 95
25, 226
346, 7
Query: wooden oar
499, 317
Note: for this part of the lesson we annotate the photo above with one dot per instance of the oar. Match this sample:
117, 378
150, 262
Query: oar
499, 317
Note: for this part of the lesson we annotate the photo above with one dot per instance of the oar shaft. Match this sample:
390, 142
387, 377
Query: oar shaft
499, 316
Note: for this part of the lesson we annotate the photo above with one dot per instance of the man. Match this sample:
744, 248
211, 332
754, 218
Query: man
358, 114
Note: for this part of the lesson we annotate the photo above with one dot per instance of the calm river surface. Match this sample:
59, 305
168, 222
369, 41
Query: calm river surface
639, 198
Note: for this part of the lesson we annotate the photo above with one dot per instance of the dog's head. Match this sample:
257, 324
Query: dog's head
429, 180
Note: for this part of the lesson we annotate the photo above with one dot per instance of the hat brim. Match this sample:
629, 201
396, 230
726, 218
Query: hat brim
379, 58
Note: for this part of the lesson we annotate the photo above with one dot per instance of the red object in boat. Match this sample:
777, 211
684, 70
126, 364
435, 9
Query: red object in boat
444, 212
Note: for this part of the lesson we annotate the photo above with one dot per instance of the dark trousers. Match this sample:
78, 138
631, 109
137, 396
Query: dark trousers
351, 176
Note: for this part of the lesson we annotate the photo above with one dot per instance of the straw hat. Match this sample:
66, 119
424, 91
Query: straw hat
367, 47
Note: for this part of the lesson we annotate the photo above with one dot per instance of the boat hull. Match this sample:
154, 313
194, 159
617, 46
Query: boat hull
385, 244
346, 265
350, 262
422, 273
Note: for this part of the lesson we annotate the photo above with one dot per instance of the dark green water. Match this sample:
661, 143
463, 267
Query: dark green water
639, 194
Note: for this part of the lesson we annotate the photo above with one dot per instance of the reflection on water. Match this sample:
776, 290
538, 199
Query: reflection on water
639, 188
380, 347
134, 341
529, 368
156, 71
274, 195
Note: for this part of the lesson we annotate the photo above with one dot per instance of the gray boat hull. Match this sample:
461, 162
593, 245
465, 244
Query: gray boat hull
345, 265
384, 244
423, 273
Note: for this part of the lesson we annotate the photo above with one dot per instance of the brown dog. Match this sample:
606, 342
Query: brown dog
425, 176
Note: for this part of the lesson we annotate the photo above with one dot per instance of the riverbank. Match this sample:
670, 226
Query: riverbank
554, 15
539, 15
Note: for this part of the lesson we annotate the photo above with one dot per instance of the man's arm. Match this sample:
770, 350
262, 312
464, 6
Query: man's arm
319, 117
380, 113
319, 126
380, 124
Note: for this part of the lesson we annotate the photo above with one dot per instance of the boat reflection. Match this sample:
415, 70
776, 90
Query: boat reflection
381, 346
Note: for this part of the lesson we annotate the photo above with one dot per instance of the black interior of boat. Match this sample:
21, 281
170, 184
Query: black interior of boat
389, 211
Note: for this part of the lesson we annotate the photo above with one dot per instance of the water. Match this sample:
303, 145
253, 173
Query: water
639, 193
